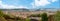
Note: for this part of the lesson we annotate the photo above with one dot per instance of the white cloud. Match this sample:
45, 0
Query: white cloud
42, 2
11, 6
36, 3
54, 0
0, 2
6, 6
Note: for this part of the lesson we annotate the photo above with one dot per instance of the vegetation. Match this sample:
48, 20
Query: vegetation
35, 15
27, 19
4, 17
1, 13
1, 16
44, 17
9, 17
57, 16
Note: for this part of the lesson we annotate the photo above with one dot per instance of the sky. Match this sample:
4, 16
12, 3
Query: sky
29, 4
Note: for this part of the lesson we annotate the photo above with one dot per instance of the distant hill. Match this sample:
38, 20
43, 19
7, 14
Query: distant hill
23, 9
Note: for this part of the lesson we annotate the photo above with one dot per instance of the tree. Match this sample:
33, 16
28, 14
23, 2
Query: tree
44, 17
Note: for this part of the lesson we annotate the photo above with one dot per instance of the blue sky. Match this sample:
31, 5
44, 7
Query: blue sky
29, 4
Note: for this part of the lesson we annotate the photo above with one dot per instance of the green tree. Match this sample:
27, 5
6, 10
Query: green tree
44, 17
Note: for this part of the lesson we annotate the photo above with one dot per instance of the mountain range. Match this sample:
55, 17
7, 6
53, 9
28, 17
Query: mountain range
24, 9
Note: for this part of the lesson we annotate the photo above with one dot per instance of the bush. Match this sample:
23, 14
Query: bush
44, 17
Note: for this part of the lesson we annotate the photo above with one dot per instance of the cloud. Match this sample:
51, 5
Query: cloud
35, 3
0, 2
54, 0
12, 7
6, 6
42, 2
